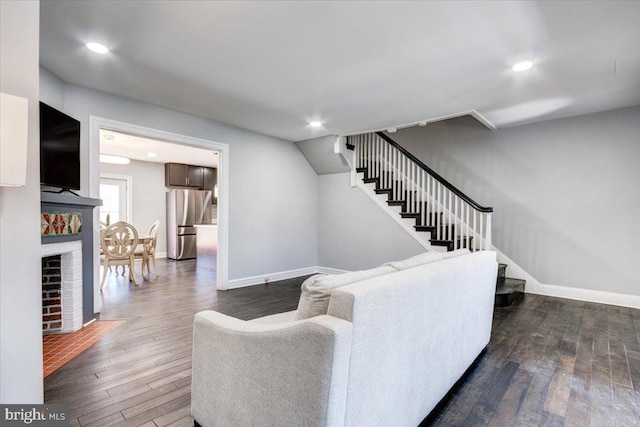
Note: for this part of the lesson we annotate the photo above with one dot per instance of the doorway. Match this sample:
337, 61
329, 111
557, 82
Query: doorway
100, 124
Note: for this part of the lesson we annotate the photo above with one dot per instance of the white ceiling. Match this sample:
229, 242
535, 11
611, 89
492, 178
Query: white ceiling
138, 148
355, 65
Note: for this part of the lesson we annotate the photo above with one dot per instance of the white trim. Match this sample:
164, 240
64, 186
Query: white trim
533, 286
482, 119
473, 113
161, 254
330, 270
97, 123
282, 275
129, 184
589, 295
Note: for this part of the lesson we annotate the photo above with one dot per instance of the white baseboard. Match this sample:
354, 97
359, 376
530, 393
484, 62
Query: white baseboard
589, 295
161, 255
282, 275
580, 294
532, 286
329, 270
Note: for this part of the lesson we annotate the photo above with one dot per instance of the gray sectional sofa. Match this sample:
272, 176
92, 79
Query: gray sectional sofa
367, 348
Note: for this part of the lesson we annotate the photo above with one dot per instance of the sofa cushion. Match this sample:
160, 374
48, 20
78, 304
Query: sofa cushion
316, 290
425, 258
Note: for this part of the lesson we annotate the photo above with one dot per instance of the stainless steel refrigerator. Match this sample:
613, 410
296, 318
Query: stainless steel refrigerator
185, 209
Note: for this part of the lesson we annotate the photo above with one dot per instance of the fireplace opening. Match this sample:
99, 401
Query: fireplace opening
52, 294
61, 287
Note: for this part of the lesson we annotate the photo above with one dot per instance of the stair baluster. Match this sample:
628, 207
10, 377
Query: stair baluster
452, 218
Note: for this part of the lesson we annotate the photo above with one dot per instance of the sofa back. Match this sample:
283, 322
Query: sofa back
415, 332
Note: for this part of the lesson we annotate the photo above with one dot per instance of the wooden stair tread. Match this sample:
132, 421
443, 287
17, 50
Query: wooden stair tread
508, 284
509, 291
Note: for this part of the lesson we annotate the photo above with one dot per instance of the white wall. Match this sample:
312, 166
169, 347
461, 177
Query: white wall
354, 233
51, 89
273, 189
319, 153
20, 265
565, 191
148, 200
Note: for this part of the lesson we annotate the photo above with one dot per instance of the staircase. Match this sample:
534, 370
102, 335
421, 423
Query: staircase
444, 217
508, 290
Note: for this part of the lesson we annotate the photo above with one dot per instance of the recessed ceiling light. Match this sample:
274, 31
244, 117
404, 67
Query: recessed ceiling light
115, 160
151, 154
522, 66
97, 48
315, 124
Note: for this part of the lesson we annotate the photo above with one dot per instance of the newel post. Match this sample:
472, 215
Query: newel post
488, 238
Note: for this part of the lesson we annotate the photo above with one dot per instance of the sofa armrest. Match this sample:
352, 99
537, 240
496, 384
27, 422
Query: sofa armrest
287, 316
248, 373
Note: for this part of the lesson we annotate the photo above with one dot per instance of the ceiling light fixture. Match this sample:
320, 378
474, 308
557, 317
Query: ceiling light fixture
97, 48
522, 66
151, 154
114, 160
315, 124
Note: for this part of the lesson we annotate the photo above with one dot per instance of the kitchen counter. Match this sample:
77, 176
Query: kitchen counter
207, 244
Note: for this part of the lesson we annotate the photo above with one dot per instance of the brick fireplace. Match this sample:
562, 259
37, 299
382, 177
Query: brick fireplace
61, 287
51, 294
67, 230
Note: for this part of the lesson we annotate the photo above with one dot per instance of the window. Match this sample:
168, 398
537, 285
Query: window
113, 192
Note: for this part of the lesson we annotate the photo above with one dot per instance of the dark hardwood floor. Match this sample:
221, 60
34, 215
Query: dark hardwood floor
550, 361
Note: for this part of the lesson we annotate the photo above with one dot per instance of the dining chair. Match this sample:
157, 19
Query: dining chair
118, 242
146, 251
103, 225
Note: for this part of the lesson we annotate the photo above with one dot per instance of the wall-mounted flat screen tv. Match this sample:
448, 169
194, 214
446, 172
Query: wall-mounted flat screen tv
59, 149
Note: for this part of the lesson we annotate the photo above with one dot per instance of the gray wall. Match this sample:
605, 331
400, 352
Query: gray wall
565, 192
319, 153
354, 232
51, 89
273, 189
20, 268
148, 200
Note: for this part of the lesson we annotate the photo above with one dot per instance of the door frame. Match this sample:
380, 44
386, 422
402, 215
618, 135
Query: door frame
96, 123
129, 180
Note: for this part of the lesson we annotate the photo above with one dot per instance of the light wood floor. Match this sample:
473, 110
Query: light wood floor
550, 361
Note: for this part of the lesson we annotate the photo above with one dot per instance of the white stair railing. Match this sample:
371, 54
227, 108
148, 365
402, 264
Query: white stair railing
440, 208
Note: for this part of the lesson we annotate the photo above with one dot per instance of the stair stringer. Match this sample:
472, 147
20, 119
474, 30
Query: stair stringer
515, 271
393, 213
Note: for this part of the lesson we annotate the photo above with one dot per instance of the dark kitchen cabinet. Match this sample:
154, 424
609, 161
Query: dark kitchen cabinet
209, 182
180, 175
